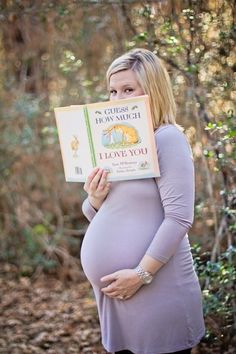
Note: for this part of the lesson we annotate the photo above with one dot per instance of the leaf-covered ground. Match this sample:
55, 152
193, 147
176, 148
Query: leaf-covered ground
47, 315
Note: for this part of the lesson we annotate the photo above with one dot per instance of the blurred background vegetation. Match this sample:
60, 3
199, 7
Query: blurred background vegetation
55, 53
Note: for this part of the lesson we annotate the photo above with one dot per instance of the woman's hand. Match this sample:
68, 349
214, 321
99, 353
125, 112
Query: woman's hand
123, 284
97, 187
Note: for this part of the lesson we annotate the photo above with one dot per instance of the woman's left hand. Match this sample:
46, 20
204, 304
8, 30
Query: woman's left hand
123, 284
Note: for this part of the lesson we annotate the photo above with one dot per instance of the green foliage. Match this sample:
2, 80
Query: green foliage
166, 26
225, 129
40, 250
33, 251
141, 37
145, 11
192, 69
70, 63
217, 281
222, 152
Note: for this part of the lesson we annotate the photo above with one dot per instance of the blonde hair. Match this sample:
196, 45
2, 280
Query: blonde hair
154, 80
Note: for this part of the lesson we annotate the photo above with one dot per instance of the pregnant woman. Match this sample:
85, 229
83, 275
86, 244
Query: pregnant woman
136, 253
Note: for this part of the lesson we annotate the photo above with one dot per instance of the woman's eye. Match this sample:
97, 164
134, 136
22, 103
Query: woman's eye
112, 92
127, 90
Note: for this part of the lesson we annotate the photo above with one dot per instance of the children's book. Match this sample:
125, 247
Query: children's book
115, 135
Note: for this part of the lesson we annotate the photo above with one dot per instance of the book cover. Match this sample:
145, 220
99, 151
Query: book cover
114, 135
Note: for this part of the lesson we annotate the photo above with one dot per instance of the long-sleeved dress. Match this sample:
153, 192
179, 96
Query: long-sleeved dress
148, 216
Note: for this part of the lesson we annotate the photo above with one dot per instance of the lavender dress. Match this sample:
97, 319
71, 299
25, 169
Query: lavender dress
151, 217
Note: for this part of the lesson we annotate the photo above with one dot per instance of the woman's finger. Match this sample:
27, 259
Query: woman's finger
96, 179
93, 174
112, 293
110, 289
103, 180
90, 178
109, 277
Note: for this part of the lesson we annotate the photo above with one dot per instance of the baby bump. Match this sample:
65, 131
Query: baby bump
108, 247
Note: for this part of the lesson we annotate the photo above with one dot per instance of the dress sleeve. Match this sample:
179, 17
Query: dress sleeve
176, 188
88, 211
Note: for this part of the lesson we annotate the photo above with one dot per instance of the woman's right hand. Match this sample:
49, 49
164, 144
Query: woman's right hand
97, 187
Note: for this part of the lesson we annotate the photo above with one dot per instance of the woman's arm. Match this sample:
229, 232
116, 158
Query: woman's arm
88, 210
176, 188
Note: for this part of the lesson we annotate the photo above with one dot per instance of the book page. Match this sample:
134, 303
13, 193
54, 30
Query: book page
123, 138
74, 143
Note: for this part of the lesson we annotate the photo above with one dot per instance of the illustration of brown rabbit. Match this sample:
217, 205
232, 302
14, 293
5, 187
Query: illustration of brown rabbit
75, 145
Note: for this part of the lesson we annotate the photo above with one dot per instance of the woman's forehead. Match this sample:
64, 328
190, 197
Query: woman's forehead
123, 77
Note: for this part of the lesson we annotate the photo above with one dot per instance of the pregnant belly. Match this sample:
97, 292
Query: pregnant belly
108, 247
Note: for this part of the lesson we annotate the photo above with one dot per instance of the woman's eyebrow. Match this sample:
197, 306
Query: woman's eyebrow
125, 84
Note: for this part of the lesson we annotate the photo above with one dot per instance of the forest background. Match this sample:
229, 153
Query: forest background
55, 53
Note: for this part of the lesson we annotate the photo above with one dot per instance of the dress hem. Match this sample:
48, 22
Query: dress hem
163, 351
